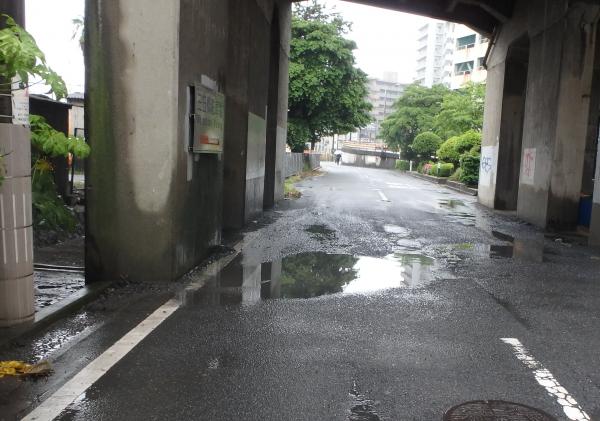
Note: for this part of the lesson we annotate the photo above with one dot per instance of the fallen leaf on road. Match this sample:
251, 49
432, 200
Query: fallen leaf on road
22, 369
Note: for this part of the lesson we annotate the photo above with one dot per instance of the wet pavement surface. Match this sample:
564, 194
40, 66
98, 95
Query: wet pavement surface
54, 286
344, 306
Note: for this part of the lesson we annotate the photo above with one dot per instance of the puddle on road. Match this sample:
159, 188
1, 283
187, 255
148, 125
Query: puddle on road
396, 229
458, 211
321, 232
52, 287
526, 249
314, 274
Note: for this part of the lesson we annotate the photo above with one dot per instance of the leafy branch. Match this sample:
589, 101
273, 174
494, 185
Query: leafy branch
20, 56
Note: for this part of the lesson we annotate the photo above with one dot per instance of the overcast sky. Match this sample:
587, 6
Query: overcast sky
386, 40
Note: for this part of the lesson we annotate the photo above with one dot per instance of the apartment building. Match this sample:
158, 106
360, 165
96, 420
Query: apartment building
383, 93
449, 54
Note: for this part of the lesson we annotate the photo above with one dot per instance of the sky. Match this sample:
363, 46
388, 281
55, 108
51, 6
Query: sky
51, 24
386, 40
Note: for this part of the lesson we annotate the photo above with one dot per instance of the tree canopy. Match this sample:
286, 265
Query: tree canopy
414, 113
327, 93
426, 143
447, 113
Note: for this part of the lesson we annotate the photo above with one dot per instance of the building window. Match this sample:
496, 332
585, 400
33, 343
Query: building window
465, 42
483, 40
464, 68
481, 63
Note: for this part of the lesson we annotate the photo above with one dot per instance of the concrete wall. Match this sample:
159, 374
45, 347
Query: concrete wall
253, 83
560, 64
154, 208
359, 160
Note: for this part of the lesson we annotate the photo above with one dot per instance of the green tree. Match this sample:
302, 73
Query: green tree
426, 144
447, 151
461, 111
453, 149
327, 93
414, 113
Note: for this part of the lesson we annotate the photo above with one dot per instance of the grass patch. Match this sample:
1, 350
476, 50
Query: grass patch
289, 186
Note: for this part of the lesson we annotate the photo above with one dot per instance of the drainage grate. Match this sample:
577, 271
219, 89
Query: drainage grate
495, 411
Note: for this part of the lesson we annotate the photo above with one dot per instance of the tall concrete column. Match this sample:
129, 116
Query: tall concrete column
594, 239
16, 251
556, 113
285, 33
133, 126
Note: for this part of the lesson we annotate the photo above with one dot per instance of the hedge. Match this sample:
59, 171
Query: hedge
470, 169
402, 165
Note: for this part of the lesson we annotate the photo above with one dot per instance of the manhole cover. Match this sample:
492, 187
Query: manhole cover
495, 411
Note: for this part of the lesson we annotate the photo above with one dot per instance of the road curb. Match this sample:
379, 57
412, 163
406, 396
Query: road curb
454, 185
55, 312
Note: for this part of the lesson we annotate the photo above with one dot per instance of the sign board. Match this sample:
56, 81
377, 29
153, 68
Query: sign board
20, 105
528, 166
209, 121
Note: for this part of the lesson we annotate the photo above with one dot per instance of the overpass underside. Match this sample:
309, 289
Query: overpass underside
155, 207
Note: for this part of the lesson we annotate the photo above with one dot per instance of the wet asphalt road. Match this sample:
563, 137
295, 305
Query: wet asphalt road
307, 324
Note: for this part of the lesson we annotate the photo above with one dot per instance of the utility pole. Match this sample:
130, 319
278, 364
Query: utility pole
16, 232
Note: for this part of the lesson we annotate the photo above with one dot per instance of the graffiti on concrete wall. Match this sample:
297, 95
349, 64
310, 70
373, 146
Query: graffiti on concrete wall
489, 157
528, 166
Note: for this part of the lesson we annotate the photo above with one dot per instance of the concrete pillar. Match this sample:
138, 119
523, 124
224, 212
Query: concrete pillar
285, 33
594, 239
17, 303
556, 113
16, 233
132, 123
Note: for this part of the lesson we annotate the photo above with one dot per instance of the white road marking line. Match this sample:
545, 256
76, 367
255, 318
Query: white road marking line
543, 376
63, 397
383, 197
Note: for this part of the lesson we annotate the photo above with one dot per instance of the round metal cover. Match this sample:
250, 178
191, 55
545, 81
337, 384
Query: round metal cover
495, 411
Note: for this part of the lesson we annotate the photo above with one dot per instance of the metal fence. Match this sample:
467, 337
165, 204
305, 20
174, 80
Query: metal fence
295, 163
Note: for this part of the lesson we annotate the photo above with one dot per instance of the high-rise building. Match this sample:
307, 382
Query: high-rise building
469, 57
382, 96
434, 53
449, 54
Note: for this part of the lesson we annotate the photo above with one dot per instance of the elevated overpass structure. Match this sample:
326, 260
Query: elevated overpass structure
186, 109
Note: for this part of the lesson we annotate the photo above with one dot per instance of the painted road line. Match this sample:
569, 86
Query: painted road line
383, 197
63, 397
543, 376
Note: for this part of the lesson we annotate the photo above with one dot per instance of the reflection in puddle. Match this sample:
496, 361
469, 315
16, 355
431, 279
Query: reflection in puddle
395, 229
458, 211
529, 249
308, 275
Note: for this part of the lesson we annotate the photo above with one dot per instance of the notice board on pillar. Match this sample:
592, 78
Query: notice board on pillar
209, 120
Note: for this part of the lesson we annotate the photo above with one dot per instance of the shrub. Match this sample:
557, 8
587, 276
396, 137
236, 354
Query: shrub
453, 148
470, 169
467, 141
442, 169
447, 151
420, 167
427, 167
426, 143
402, 165
456, 175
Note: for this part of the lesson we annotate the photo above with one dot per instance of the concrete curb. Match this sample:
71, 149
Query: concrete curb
454, 185
430, 178
55, 312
